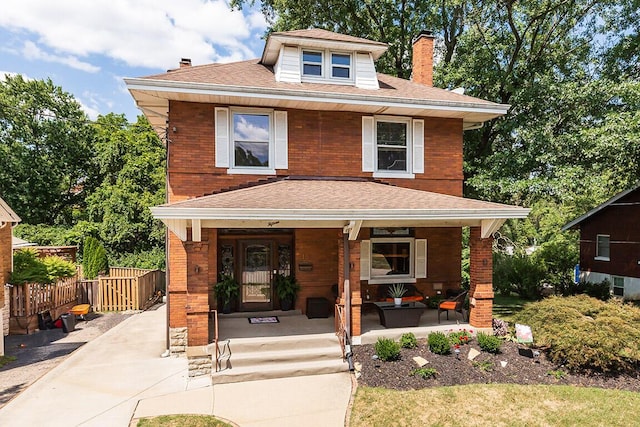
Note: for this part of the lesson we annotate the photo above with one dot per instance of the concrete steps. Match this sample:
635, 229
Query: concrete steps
281, 357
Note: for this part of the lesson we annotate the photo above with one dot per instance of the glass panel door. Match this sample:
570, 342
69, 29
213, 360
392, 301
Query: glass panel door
256, 276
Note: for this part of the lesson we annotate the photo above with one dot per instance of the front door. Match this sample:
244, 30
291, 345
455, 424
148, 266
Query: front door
256, 278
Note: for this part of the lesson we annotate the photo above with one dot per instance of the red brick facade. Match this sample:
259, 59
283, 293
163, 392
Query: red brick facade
481, 272
320, 143
5, 259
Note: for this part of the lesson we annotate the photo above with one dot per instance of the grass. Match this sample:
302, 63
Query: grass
182, 421
495, 405
6, 359
504, 307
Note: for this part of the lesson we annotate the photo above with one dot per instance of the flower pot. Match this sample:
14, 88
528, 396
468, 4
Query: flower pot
397, 301
226, 308
286, 304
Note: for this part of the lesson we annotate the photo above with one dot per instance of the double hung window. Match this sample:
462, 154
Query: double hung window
602, 247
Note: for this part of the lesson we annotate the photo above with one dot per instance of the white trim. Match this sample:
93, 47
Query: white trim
599, 257
365, 260
418, 145
386, 173
421, 259
168, 212
396, 277
368, 144
196, 230
222, 143
374, 99
248, 171
490, 226
281, 140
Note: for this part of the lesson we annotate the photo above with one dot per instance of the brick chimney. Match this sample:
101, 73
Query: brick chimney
185, 62
422, 63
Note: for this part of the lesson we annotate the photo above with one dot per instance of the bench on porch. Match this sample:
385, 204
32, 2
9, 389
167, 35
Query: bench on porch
412, 295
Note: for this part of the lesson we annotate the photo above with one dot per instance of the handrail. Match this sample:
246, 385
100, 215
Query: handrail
215, 338
343, 335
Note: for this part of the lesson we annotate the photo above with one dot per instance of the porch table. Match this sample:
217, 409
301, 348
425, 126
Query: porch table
400, 316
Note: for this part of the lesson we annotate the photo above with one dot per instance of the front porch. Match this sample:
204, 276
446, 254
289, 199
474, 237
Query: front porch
236, 326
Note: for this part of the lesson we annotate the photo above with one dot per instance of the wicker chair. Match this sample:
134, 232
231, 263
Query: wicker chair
456, 304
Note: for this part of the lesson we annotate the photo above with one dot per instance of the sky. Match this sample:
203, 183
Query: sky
88, 47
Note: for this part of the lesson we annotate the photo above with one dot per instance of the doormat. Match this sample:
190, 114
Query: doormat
260, 320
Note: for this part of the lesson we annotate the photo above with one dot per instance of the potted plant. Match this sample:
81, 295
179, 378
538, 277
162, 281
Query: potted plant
287, 288
396, 291
226, 289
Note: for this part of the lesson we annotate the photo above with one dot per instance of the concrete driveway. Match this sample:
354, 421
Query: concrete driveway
120, 377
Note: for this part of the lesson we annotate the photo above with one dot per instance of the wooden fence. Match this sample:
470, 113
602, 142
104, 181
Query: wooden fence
128, 288
33, 298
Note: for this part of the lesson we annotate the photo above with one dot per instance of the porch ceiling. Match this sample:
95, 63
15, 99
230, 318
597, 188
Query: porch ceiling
303, 203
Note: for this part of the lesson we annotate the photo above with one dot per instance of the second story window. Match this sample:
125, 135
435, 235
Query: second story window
340, 65
251, 140
251, 136
392, 142
311, 63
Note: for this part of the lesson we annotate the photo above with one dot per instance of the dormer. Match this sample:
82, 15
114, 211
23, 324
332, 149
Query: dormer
320, 56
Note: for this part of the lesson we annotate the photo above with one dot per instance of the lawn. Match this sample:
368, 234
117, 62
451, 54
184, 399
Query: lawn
506, 306
182, 421
495, 405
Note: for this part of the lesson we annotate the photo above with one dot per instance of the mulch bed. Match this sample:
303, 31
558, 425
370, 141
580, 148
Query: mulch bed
484, 369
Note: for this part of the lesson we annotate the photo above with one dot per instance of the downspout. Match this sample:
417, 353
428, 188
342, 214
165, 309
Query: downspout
166, 244
347, 301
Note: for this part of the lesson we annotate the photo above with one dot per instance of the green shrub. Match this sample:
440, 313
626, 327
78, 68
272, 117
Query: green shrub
584, 333
58, 268
387, 349
408, 340
489, 343
439, 343
27, 268
425, 373
153, 259
601, 290
94, 258
435, 301
518, 273
459, 337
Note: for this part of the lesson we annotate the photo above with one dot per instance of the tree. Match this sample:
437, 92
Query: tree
44, 151
131, 178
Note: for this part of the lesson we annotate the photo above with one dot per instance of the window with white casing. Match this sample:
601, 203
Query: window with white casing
327, 66
391, 260
392, 147
251, 141
602, 247
618, 286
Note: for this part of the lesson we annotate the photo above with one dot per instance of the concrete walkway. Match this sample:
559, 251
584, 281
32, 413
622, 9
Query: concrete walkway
120, 377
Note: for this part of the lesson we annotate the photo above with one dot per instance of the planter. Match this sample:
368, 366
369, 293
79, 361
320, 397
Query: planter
286, 304
397, 301
226, 308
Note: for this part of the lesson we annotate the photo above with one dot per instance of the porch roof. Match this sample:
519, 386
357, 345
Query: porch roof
331, 203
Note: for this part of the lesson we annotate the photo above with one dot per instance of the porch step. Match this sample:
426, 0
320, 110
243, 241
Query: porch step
280, 357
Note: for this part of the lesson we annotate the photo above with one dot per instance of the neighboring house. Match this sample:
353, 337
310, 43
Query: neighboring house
610, 243
308, 162
8, 219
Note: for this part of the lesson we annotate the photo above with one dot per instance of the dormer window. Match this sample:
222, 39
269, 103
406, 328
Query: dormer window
326, 66
311, 63
340, 65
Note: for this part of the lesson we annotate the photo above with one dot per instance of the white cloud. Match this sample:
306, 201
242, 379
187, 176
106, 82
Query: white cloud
31, 51
151, 33
254, 129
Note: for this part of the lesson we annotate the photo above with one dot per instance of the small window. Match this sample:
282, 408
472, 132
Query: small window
618, 286
251, 139
312, 63
602, 247
390, 258
340, 65
392, 143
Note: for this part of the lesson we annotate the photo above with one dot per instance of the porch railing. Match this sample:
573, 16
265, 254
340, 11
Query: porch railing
220, 355
341, 328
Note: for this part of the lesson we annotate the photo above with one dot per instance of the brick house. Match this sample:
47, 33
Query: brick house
308, 162
610, 243
8, 219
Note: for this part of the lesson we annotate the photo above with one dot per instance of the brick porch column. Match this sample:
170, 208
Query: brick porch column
197, 307
481, 287
177, 295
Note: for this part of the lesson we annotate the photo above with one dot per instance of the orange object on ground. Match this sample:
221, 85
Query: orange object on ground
416, 298
80, 310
